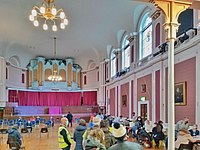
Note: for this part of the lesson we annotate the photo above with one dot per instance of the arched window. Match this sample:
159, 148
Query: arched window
146, 37
125, 53
113, 64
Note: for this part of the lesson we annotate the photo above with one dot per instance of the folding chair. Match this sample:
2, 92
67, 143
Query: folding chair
44, 130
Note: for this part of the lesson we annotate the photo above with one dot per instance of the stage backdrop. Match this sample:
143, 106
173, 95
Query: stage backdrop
29, 98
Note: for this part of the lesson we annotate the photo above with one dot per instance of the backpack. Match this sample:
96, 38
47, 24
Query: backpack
109, 139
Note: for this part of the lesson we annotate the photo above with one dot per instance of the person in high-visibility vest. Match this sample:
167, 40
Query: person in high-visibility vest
64, 138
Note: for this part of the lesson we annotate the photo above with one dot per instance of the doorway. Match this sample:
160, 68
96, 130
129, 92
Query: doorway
143, 110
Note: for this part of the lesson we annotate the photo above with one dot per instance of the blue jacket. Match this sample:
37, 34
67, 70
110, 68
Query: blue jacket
78, 136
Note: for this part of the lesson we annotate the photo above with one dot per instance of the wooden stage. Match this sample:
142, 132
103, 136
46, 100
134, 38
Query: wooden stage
26, 112
56, 117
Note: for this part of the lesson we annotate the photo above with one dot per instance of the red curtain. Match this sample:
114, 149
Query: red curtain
27, 98
12, 96
90, 98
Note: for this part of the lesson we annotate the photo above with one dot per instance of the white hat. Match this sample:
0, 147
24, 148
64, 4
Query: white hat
96, 121
118, 130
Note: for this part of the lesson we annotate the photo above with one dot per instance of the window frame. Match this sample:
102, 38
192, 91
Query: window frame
144, 27
113, 63
124, 58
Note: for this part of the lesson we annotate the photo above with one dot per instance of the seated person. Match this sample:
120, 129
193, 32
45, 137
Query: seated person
14, 138
139, 123
194, 131
29, 125
157, 134
148, 126
183, 137
32, 118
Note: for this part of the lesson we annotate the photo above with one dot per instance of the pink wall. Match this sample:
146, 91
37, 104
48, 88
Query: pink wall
147, 80
132, 95
125, 92
112, 101
157, 87
185, 72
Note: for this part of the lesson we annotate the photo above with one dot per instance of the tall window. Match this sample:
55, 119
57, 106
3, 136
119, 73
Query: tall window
125, 53
113, 63
146, 37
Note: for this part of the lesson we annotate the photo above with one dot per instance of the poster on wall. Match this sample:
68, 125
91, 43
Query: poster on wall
124, 100
180, 91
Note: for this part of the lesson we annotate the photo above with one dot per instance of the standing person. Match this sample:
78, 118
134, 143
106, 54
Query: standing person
64, 137
78, 134
14, 136
119, 132
69, 117
134, 117
109, 138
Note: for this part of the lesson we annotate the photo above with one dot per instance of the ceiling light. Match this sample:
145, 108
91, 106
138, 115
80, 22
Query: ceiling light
48, 11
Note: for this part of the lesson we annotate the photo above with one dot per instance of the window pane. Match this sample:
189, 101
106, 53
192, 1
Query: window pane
147, 41
146, 38
113, 65
125, 54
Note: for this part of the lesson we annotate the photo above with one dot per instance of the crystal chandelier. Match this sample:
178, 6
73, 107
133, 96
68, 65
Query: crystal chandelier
48, 13
55, 77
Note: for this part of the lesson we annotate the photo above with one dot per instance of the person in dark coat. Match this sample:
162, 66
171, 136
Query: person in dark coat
194, 131
14, 133
69, 117
78, 134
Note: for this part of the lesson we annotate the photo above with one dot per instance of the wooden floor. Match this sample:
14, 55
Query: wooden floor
33, 141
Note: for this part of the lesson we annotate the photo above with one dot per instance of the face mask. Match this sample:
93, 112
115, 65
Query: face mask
67, 123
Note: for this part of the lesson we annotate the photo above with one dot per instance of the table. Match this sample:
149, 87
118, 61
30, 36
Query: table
197, 138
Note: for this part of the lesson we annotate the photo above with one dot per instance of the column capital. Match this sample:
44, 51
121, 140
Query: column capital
172, 8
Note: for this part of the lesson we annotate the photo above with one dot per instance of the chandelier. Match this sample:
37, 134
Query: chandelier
55, 77
48, 13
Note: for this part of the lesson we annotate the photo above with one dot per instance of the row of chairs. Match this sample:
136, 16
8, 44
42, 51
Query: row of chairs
24, 123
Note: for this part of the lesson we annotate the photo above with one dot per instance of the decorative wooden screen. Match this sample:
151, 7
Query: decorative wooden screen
63, 75
69, 74
48, 72
35, 75
40, 71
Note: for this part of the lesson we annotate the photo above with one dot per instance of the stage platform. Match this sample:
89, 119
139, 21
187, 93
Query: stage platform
56, 117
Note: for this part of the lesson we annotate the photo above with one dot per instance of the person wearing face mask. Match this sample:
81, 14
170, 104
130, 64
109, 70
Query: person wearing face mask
194, 131
182, 124
64, 138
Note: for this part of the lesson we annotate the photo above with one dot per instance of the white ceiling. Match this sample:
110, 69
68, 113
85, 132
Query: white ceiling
93, 24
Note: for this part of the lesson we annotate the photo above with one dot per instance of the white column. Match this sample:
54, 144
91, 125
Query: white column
130, 99
116, 102
197, 87
3, 91
135, 102
101, 96
171, 31
119, 100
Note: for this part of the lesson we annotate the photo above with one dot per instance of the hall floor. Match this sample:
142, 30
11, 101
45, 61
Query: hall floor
33, 141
